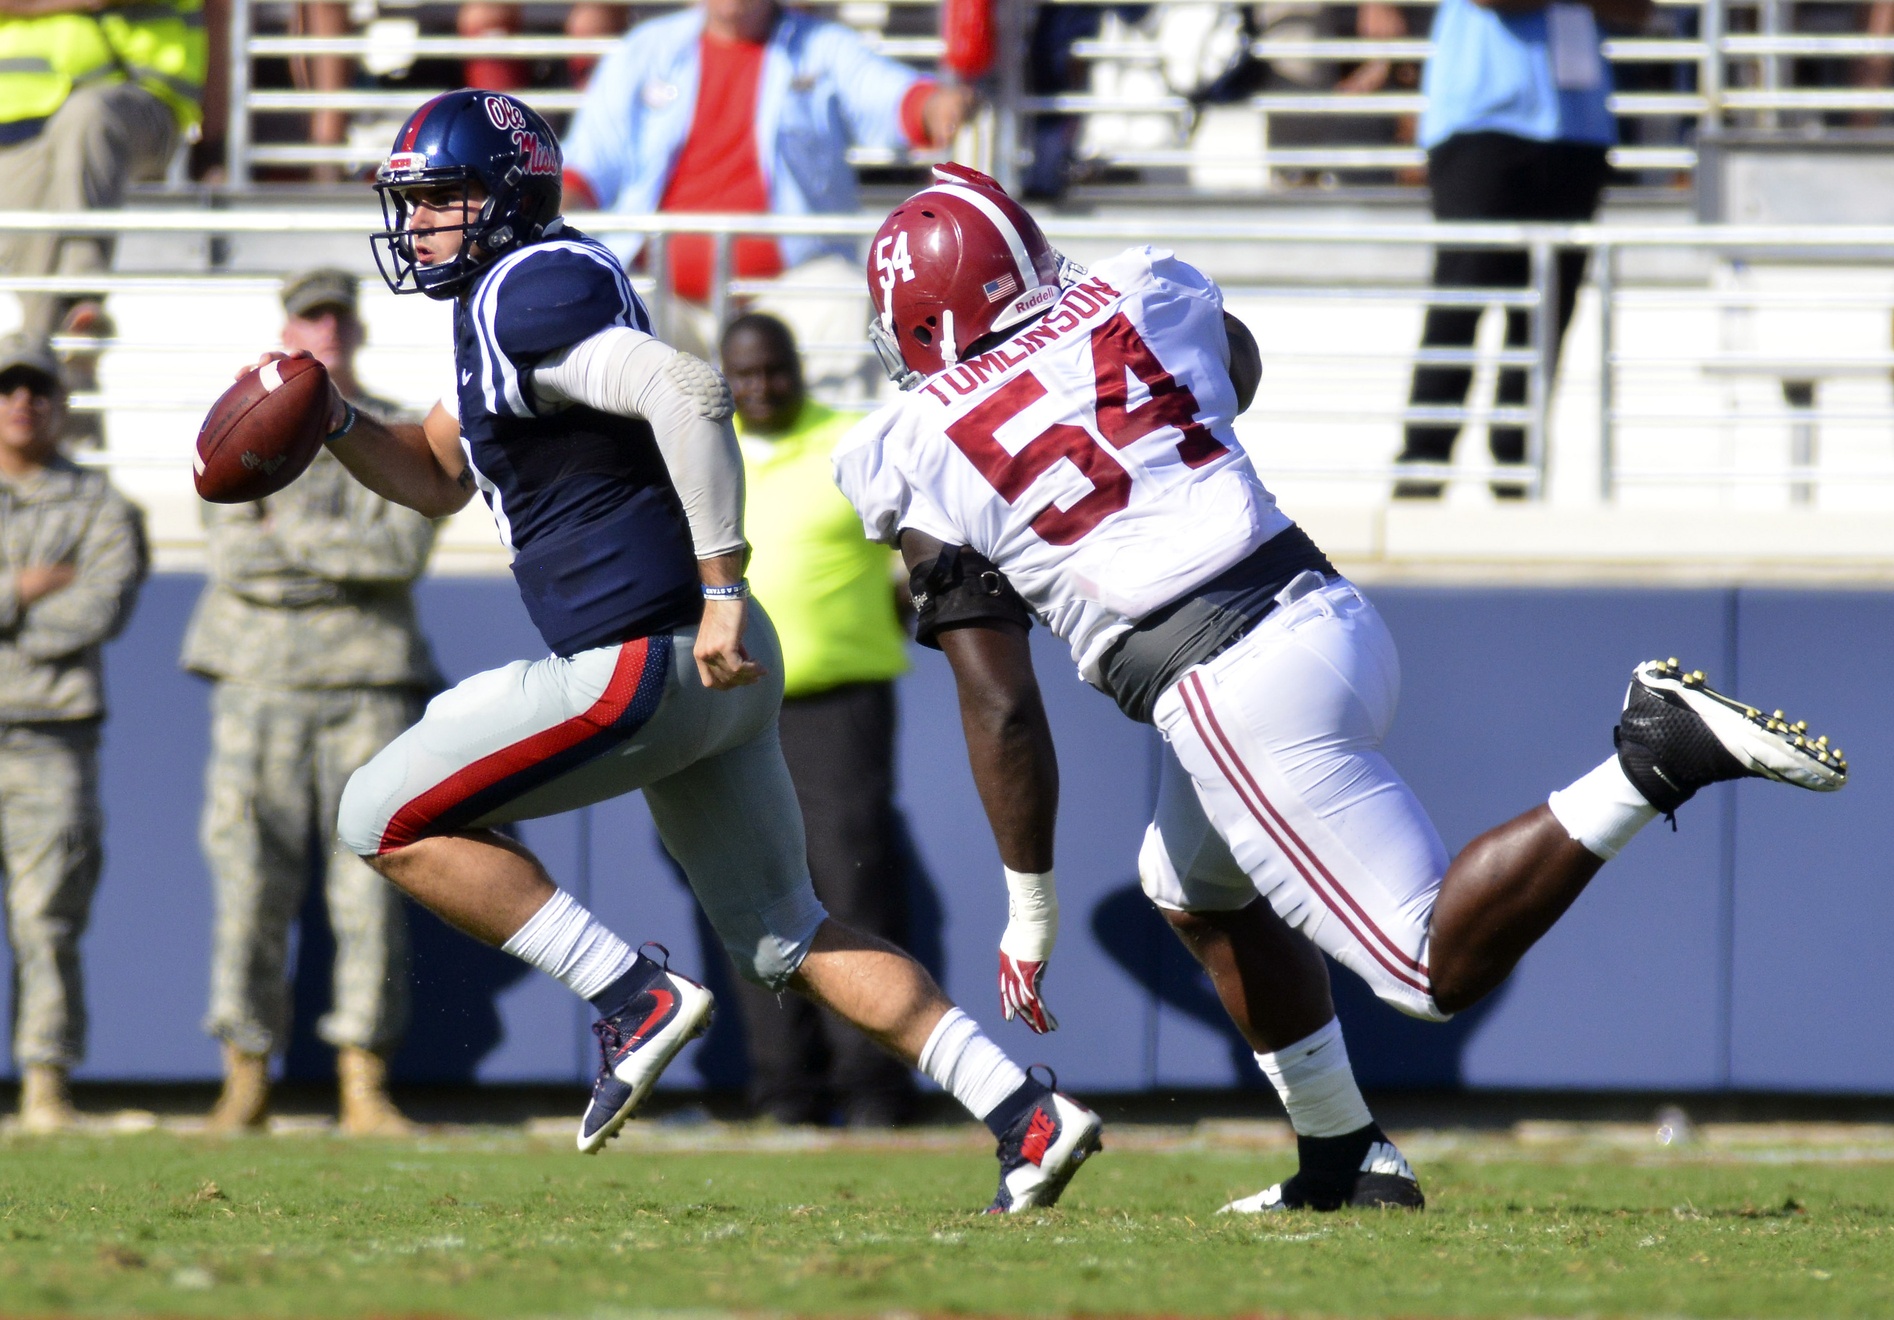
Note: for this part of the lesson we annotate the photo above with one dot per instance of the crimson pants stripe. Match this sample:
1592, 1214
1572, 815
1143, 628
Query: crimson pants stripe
629, 698
1393, 948
1300, 855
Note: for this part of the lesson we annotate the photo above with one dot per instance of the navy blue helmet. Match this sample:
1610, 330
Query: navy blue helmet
484, 144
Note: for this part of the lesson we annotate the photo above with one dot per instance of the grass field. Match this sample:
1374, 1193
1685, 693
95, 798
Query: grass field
495, 1222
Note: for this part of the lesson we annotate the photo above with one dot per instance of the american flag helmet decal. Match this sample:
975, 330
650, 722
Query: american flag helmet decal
1004, 287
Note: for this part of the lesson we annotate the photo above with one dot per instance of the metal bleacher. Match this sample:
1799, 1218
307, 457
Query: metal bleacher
1724, 407
1726, 65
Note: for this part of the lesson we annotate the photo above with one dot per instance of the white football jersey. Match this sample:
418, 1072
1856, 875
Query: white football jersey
1090, 457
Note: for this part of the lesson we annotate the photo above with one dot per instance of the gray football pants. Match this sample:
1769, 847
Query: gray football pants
279, 760
538, 738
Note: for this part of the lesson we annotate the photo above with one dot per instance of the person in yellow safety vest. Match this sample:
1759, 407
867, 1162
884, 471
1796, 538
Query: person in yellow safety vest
831, 593
93, 95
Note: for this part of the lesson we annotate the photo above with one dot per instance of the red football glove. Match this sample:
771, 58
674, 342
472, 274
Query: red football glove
1020, 993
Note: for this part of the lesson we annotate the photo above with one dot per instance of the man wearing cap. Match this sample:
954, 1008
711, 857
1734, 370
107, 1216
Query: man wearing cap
72, 556
307, 630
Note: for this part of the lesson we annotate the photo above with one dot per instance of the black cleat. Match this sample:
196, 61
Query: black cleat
1678, 734
1381, 1180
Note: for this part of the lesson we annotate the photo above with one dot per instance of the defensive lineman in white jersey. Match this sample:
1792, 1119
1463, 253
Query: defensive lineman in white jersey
1064, 452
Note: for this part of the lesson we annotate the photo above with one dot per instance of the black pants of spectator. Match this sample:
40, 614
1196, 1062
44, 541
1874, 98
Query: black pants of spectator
805, 1062
1495, 176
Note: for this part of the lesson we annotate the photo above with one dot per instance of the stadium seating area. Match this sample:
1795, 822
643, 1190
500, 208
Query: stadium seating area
1707, 370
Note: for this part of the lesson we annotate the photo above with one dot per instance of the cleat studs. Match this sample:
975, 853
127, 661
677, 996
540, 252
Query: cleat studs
1800, 726
1822, 741
1776, 715
1672, 663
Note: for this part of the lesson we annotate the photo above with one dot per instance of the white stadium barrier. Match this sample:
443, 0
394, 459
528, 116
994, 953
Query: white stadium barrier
1725, 393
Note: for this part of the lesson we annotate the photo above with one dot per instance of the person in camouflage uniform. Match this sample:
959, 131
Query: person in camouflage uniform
307, 627
72, 556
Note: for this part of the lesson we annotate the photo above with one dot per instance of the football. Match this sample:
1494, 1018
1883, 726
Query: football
263, 432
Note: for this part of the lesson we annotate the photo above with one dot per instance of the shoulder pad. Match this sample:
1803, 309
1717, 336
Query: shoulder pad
554, 297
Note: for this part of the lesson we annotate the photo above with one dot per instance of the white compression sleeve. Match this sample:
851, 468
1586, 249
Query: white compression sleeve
565, 941
1602, 810
1317, 1085
627, 372
968, 1066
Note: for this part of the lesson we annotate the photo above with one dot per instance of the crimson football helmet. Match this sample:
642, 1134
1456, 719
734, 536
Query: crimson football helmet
951, 265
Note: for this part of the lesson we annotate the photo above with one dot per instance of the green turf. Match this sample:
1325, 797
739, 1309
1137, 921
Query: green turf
502, 1225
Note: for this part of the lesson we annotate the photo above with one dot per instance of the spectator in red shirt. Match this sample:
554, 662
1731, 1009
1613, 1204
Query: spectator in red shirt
790, 94
491, 18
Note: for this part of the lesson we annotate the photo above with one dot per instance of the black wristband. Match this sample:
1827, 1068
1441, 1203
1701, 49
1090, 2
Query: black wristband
348, 424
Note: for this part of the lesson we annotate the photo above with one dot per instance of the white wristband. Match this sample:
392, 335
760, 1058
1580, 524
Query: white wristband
1032, 915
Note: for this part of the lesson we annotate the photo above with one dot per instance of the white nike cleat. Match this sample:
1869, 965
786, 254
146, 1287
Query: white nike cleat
1678, 734
635, 1045
1040, 1153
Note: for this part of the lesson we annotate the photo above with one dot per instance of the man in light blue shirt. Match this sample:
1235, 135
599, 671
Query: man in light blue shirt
820, 90
1516, 128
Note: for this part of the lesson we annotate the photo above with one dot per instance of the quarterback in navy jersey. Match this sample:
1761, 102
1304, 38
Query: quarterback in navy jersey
608, 461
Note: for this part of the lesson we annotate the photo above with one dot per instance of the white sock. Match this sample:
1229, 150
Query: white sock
1602, 810
566, 941
1316, 1084
968, 1066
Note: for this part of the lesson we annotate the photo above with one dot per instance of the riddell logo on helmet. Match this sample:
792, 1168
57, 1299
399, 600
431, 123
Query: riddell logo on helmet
1031, 299
540, 157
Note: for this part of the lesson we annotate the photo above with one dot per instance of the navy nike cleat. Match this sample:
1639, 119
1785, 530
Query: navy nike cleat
1678, 734
1042, 1150
635, 1044
1383, 1181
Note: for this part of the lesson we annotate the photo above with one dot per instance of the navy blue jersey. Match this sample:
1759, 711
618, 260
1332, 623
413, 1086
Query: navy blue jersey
602, 550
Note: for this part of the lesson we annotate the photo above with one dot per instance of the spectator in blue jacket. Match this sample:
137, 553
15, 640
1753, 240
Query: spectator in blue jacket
792, 94
1516, 128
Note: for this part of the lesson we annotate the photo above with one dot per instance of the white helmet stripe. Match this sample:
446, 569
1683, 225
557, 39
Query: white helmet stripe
1028, 277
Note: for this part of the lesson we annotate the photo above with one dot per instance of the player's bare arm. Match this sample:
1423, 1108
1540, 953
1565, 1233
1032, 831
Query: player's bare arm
1015, 768
1008, 740
419, 466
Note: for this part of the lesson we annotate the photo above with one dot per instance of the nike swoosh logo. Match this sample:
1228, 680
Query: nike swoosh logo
666, 999
465, 376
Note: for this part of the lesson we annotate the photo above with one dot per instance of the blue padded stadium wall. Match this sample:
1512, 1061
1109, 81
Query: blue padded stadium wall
1741, 952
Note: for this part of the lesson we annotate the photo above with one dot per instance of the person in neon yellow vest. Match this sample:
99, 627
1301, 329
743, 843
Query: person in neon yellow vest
831, 593
92, 97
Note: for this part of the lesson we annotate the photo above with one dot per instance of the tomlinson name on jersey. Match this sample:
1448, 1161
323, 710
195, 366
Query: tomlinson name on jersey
1082, 303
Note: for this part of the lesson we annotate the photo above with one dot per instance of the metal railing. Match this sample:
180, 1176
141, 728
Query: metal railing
1723, 80
1718, 382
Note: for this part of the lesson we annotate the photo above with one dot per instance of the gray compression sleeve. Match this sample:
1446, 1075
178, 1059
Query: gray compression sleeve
627, 372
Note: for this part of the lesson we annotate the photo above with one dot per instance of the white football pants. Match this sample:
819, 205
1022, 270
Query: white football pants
1274, 784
